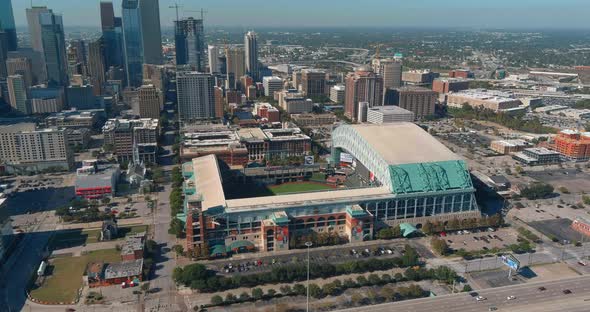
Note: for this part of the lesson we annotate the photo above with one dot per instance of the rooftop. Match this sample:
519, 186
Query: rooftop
207, 180
390, 110
404, 143
123, 124
124, 269
515, 142
541, 151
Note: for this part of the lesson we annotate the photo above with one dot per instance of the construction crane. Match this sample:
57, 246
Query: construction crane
175, 6
203, 12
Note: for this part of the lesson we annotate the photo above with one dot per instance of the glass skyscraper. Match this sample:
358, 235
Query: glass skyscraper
54, 48
133, 45
7, 23
112, 33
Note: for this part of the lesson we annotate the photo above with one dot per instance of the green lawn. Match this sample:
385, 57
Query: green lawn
66, 275
73, 238
298, 187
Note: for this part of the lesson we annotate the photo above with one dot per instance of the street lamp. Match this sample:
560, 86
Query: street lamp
308, 244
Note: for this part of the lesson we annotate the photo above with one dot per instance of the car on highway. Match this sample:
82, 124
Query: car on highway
510, 298
473, 294
492, 308
582, 263
480, 298
567, 291
542, 288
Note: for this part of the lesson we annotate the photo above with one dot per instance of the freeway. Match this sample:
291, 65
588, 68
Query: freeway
528, 297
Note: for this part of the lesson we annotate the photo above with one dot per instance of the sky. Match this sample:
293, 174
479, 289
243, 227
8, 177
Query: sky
346, 13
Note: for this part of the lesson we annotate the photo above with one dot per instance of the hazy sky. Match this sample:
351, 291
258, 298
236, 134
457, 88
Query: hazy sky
352, 13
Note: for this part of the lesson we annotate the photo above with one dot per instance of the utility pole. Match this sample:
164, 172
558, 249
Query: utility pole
308, 244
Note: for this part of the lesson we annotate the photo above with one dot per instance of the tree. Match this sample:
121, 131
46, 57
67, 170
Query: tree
230, 298
537, 191
299, 289
519, 169
427, 228
388, 293
374, 279
145, 287
271, 293
257, 293
467, 288
178, 249
216, 300
176, 227
105, 200
439, 246
315, 291
286, 290
244, 296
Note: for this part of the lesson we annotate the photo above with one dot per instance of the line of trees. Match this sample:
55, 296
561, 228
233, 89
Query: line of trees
455, 224
197, 276
537, 191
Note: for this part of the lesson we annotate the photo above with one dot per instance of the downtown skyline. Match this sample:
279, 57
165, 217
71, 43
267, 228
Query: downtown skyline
524, 14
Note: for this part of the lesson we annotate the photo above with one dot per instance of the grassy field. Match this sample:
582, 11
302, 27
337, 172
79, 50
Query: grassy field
65, 275
73, 238
298, 187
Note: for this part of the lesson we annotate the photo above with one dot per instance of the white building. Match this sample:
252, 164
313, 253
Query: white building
387, 114
213, 54
337, 93
271, 85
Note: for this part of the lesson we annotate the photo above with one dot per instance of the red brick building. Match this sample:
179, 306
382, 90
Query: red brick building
449, 85
573, 144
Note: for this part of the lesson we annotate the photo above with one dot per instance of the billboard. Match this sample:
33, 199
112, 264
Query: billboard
510, 261
345, 157
309, 160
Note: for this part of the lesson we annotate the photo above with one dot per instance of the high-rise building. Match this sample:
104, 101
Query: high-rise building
151, 31
195, 96
313, 82
7, 24
34, 23
132, 41
112, 33
156, 75
272, 85
251, 48
81, 97
149, 101
3, 53
189, 38
17, 92
128, 137
235, 65
54, 48
21, 66
218, 102
390, 70
97, 64
421, 101
213, 54
26, 149
362, 86
337, 93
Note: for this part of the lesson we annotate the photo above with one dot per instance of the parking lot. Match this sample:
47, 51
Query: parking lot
574, 180
559, 229
481, 239
262, 264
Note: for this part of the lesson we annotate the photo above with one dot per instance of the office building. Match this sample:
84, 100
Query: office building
45, 106
17, 93
44, 98
73, 119
314, 120
267, 112
195, 96
573, 144
156, 75
461, 73
218, 96
362, 86
21, 66
436, 188
245, 82
421, 101
7, 24
419, 77
124, 137
537, 156
506, 147
387, 114
271, 85
294, 102
235, 66
24, 149
213, 54
97, 64
337, 94
443, 86
3, 53
34, 23
54, 48
251, 49
189, 39
390, 70
81, 97
489, 99
79, 55
313, 82
112, 34
151, 31
149, 102
96, 181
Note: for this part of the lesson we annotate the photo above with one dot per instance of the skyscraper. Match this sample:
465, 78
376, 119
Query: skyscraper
35, 26
21, 66
149, 101
112, 33
313, 82
141, 36
196, 97
97, 64
362, 86
3, 53
235, 65
151, 31
251, 48
7, 23
17, 91
54, 48
132, 41
190, 43
213, 54
390, 70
